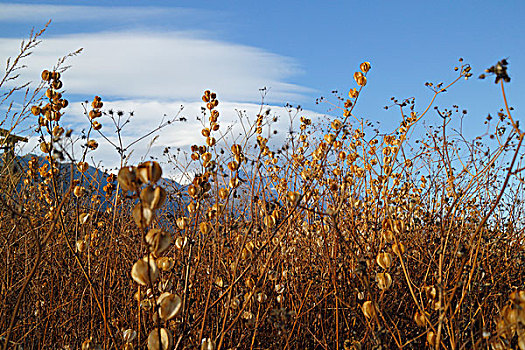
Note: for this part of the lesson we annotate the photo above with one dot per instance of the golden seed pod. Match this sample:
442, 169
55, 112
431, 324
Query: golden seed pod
165, 263
83, 218
206, 157
210, 141
45, 147
142, 215
361, 81
64, 103
129, 335
205, 227
192, 208
353, 93
58, 131
81, 245
149, 172
329, 138
127, 179
431, 292
205, 132
384, 260
158, 241
357, 75
384, 280
79, 191
420, 319
55, 75
208, 344
82, 167
280, 298
431, 338
181, 242
89, 344
234, 182
336, 124
269, 221
182, 222
233, 165
145, 273
398, 248
246, 254
236, 149
46, 76
96, 125
293, 197
368, 309
92, 144
365, 67
223, 193
35, 110
153, 198
57, 84
219, 282
169, 305
164, 342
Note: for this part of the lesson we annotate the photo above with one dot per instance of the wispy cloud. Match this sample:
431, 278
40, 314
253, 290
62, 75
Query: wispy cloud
29, 13
165, 66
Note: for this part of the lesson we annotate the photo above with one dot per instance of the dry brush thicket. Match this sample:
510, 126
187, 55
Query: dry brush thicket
343, 238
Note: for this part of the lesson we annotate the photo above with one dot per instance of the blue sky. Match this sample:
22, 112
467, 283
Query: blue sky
153, 56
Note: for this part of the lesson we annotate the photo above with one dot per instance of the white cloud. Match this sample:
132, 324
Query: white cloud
30, 13
163, 66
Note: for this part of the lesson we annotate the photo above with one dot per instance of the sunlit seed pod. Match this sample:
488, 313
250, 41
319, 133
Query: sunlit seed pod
181, 242
329, 138
210, 141
55, 75
357, 75
384, 280
431, 338
158, 240
353, 93
142, 215
160, 339
261, 297
430, 292
57, 84
250, 283
146, 304
235, 302
153, 198
361, 81
127, 179
205, 132
35, 110
247, 315
510, 314
369, 309
45, 147
205, 228
92, 144
129, 335
389, 236
83, 218
58, 131
233, 165
169, 305
336, 124
165, 263
206, 157
89, 344
192, 208
96, 125
208, 344
279, 288
234, 182
246, 254
219, 282
205, 98
398, 248
50, 93
145, 273
46, 75
149, 172
384, 260
236, 149
64, 103
269, 221
280, 298
93, 114
81, 245
182, 222
293, 197
365, 67
420, 319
